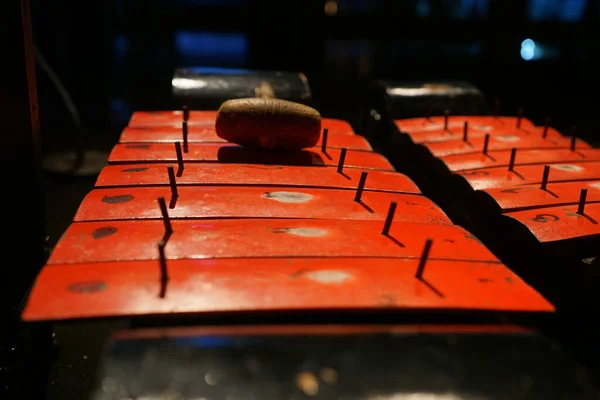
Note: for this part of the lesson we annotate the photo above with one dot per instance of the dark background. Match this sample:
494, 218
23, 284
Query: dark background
117, 56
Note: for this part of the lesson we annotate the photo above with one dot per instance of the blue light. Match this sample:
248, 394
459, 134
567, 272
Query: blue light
557, 10
528, 49
211, 48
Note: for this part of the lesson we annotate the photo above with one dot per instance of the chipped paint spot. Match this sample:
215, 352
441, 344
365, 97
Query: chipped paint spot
137, 169
485, 280
331, 277
87, 287
595, 185
137, 146
507, 138
306, 232
117, 199
567, 167
288, 197
104, 232
387, 300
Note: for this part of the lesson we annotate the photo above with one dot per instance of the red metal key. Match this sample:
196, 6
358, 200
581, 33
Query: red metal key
552, 224
85, 242
255, 202
166, 134
257, 175
207, 118
489, 178
476, 123
501, 158
114, 289
459, 133
500, 142
555, 194
226, 153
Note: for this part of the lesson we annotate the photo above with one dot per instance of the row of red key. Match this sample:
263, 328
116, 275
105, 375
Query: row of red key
548, 182
182, 222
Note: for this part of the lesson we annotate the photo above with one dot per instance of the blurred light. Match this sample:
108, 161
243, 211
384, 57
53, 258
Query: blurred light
557, 10
528, 49
331, 8
121, 45
211, 48
423, 8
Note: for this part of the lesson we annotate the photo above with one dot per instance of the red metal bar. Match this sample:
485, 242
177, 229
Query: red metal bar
501, 158
551, 224
202, 134
227, 153
475, 145
484, 124
85, 242
126, 289
489, 178
254, 175
532, 196
207, 118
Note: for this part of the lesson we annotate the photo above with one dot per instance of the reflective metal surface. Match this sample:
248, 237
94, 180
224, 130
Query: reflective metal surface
342, 363
207, 88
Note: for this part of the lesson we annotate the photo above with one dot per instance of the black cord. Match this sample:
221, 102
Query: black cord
78, 146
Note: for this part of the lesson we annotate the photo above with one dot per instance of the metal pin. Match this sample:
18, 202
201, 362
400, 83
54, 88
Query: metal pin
179, 156
545, 177
164, 274
340, 166
165, 214
446, 117
513, 155
497, 108
546, 127
573, 138
361, 186
324, 141
520, 117
423, 260
184, 131
390, 217
172, 181
186, 113
486, 142
582, 198
465, 131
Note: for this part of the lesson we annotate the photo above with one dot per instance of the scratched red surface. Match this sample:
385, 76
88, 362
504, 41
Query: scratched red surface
226, 153
499, 177
206, 286
231, 238
501, 158
254, 202
476, 123
563, 193
500, 142
551, 224
200, 134
456, 133
252, 175
207, 118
